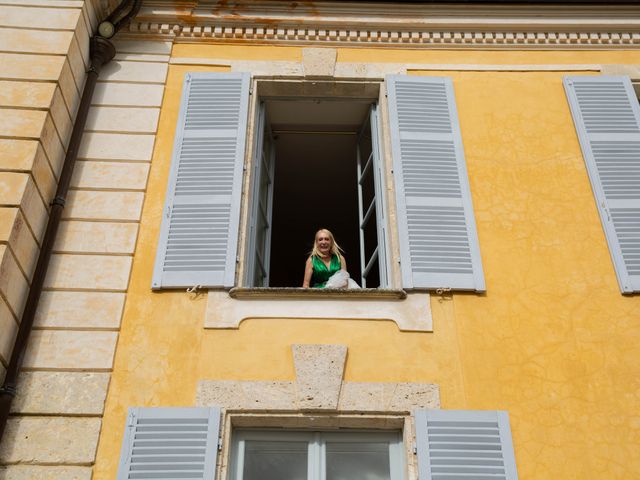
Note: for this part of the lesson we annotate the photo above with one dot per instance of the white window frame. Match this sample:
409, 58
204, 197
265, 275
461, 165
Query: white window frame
316, 448
246, 263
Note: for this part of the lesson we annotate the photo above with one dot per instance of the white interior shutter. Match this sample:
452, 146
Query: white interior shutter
465, 445
170, 443
438, 238
607, 118
199, 232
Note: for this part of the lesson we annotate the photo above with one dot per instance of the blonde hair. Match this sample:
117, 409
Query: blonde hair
335, 248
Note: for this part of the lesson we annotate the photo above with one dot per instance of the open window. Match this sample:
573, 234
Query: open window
316, 164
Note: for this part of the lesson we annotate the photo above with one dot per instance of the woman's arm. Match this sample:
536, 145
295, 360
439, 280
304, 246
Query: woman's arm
343, 263
308, 271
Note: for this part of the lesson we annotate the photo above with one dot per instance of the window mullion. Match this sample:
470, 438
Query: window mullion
314, 458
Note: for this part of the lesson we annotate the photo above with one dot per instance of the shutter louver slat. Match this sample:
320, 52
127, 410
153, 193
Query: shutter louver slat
438, 239
463, 445
170, 443
198, 238
607, 118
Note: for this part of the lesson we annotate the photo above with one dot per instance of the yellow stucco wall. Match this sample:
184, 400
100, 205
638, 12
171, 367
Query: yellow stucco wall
552, 341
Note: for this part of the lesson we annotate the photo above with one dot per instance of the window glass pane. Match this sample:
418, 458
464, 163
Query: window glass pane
272, 460
358, 461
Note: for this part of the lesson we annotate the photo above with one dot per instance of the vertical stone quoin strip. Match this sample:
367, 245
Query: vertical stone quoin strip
56, 415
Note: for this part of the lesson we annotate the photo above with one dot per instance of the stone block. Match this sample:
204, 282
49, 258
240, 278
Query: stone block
96, 237
86, 310
145, 72
70, 91
319, 370
22, 123
28, 156
61, 393
319, 62
143, 46
61, 118
361, 396
35, 124
70, 350
35, 41
128, 94
106, 272
121, 119
8, 332
20, 66
35, 17
237, 395
110, 175
116, 146
13, 283
18, 189
15, 232
90, 16
76, 62
83, 34
44, 472
26, 94
52, 145
92, 205
50, 440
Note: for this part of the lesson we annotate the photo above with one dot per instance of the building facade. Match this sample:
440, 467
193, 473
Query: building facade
479, 163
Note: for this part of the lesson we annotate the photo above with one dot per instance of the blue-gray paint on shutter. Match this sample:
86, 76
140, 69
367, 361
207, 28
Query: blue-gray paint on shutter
199, 232
171, 443
438, 239
607, 118
464, 445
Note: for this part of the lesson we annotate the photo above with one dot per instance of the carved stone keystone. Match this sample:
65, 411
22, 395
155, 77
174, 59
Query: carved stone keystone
319, 370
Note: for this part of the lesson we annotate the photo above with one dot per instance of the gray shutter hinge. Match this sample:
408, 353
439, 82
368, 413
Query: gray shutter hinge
415, 449
250, 90
238, 259
219, 444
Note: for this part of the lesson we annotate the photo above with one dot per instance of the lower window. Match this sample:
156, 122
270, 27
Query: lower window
278, 455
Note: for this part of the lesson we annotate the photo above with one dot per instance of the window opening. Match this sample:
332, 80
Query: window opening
296, 455
313, 152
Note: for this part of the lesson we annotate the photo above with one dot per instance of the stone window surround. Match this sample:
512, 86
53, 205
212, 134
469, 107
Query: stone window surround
319, 399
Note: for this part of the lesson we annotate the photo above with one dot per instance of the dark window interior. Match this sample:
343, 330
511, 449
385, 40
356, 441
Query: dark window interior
315, 181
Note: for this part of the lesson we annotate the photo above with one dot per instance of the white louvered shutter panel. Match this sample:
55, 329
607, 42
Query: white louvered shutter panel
199, 232
170, 443
607, 118
438, 238
464, 445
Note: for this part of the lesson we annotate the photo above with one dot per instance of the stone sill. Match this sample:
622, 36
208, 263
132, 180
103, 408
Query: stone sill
317, 293
410, 311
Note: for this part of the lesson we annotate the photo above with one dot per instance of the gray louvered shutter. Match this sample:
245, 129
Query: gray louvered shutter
170, 443
465, 445
199, 232
438, 238
607, 117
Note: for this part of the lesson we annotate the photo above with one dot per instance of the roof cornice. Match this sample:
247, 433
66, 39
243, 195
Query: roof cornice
445, 25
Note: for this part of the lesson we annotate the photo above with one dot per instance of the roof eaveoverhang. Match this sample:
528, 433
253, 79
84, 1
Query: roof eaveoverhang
542, 24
